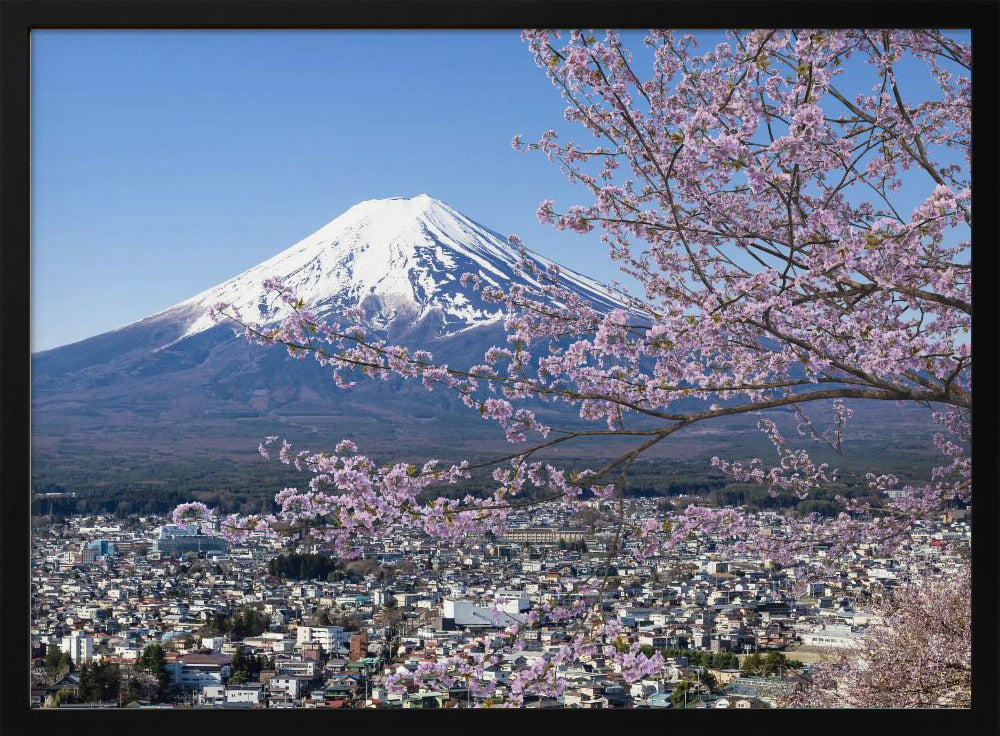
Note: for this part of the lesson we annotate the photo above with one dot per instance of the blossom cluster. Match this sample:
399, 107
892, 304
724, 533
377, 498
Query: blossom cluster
750, 191
918, 656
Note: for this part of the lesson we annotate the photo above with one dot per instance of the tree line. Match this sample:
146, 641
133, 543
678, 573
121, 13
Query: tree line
296, 566
239, 625
103, 681
697, 658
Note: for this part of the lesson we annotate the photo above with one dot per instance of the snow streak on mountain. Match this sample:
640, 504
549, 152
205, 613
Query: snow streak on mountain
399, 258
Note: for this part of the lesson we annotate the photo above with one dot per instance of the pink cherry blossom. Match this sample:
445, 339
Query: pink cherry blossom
751, 191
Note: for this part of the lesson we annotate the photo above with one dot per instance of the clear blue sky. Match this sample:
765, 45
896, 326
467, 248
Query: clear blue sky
165, 162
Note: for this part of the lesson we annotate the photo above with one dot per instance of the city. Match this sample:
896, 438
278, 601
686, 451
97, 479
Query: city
139, 612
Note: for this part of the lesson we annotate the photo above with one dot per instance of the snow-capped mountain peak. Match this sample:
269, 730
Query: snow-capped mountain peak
398, 257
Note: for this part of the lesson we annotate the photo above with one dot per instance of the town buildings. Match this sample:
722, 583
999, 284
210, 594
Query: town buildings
104, 590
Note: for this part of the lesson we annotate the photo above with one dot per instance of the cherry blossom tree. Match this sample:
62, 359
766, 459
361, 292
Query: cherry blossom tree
796, 208
918, 656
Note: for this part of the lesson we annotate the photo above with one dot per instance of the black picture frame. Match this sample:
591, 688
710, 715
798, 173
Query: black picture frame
19, 17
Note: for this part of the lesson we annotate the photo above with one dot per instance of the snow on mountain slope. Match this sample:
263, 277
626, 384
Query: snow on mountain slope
399, 257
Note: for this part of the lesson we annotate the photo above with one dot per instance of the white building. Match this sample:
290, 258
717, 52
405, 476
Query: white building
505, 612
837, 637
173, 539
195, 671
512, 601
249, 694
213, 695
128, 652
290, 687
213, 642
196, 678
644, 688
329, 638
79, 646
304, 669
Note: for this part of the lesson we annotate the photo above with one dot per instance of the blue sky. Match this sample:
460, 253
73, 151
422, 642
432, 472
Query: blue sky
165, 162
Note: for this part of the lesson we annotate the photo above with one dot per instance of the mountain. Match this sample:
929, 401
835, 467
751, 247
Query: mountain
400, 258
176, 402
175, 387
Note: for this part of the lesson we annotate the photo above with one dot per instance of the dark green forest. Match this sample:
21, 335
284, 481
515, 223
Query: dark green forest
302, 566
679, 481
